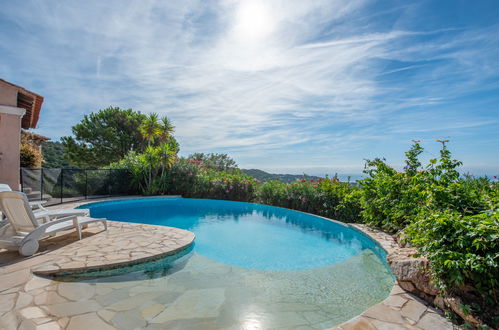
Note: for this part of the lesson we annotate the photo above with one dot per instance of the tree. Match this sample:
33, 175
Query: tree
150, 127
219, 162
105, 137
166, 129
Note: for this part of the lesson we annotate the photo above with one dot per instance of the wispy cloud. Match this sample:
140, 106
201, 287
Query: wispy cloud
252, 78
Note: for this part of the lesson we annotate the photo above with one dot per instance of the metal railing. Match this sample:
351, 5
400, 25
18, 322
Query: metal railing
60, 185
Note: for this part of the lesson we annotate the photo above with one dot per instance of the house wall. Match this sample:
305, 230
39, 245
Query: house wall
10, 136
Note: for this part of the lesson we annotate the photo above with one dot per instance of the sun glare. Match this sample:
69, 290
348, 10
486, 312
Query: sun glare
253, 21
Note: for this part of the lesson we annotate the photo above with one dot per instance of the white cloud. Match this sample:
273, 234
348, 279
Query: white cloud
246, 75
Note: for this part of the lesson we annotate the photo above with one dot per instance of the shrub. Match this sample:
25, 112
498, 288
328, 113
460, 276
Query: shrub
391, 200
463, 251
221, 185
326, 197
30, 156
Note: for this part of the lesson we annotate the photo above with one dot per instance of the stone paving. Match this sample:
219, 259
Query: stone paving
28, 301
401, 310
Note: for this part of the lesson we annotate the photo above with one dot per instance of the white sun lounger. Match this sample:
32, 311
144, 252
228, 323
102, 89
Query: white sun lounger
25, 230
45, 214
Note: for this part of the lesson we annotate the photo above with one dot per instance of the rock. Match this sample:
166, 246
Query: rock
455, 303
411, 271
439, 302
407, 286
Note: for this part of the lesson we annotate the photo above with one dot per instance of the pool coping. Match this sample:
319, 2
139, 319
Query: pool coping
400, 310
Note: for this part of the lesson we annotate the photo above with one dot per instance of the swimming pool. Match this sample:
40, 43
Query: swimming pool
252, 266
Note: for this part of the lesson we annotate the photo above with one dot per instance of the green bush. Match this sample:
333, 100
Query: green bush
463, 250
30, 156
221, 185
326, 197
391, 200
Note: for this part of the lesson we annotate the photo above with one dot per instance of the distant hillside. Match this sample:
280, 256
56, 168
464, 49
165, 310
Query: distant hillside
53, 156
264, 176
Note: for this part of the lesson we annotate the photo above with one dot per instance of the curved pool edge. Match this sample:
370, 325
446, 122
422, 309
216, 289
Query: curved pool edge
122, 245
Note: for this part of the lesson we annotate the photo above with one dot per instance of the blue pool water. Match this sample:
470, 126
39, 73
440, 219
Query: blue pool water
251, 236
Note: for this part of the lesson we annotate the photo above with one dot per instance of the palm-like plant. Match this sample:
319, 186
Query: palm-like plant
166, 129
166, 155
151, 127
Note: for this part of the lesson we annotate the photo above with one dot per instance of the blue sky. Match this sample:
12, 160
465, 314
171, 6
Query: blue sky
285, 86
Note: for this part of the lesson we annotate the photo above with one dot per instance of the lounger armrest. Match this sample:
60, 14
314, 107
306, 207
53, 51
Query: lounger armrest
35, 205
39, 231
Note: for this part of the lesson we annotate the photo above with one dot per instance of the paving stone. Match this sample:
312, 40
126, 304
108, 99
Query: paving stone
32, 312
193, 304
87, 322
41, 320
37, 282
152, 310
413, 310
128, 320
63, 322
102, 290
23, 300
7, 301
384, 313
358, 322
434, 321
10, 280
395, 301
73, 308
27, 325
49, 326
380, 325
106, 315
397, 290
134, 302
49, 298
8, 321
76, 291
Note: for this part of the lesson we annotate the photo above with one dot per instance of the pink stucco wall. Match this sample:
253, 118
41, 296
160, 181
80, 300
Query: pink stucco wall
10, 136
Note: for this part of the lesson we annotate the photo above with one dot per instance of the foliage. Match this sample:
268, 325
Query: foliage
463, 249
105, 137
149, 169
391, 200
30, 156
53, 155
451, 219
218, 162
326, 197
190, 179
222, 185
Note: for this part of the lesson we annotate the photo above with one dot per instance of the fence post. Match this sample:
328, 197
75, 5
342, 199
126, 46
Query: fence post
109, 186
62, 181
86, 184
41, 184
21, 178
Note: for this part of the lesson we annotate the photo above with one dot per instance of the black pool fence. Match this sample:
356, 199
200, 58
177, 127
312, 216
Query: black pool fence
60, 185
